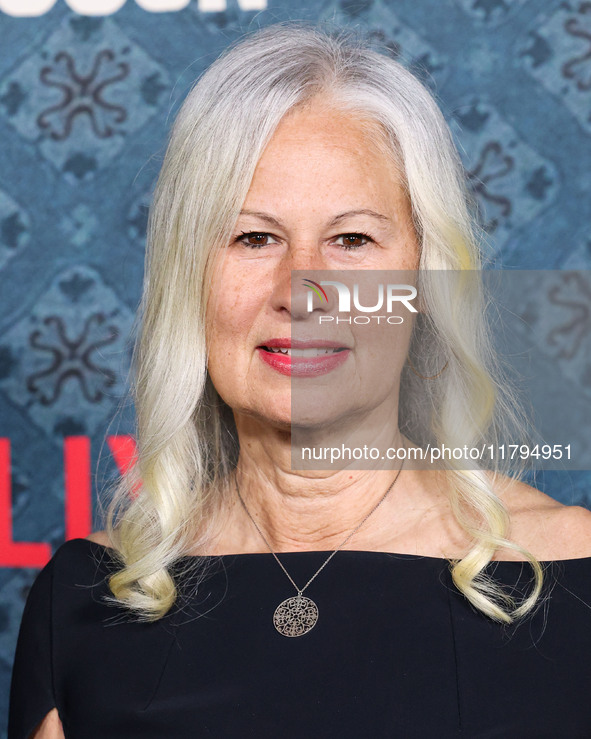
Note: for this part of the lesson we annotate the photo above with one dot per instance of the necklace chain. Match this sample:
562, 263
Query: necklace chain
381, 500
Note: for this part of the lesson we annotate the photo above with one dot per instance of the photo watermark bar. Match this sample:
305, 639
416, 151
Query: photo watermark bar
439, 369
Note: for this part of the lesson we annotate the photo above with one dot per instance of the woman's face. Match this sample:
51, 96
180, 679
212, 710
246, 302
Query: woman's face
322, 198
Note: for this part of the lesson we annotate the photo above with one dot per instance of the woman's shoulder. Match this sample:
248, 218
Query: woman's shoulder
100, 537
547, 528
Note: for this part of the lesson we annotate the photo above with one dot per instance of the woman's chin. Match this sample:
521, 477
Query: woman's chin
312, 419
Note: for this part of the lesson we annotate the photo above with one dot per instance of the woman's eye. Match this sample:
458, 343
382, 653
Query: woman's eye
254, 239
257, 239
354, 240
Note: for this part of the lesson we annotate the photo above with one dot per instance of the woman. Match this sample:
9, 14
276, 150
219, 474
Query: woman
305, 151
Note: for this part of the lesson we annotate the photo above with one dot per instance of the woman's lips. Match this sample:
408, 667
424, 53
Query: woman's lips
303, 366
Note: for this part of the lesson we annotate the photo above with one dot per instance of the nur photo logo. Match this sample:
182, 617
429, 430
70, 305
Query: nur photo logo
388, 296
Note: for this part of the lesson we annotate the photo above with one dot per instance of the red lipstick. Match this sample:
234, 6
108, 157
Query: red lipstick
303, 358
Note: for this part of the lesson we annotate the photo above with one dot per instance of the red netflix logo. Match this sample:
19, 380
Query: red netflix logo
77, 498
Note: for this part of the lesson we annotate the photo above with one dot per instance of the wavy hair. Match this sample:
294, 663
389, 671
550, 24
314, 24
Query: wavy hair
187, 447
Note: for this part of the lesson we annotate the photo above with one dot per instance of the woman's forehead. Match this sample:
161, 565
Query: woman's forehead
323, 153
331, 118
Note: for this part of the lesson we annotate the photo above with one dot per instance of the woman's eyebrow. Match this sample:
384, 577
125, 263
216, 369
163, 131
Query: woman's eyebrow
361, 212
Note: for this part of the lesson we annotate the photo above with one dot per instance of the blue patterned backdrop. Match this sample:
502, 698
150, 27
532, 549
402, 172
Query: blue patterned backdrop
85, 105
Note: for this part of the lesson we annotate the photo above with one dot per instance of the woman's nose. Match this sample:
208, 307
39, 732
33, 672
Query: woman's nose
291, 292
304, 257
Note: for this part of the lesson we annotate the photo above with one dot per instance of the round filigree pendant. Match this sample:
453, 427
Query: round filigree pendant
295, 616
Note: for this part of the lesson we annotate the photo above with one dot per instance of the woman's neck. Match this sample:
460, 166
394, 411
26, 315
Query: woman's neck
317, 510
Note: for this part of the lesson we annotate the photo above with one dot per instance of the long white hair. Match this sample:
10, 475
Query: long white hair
187, 444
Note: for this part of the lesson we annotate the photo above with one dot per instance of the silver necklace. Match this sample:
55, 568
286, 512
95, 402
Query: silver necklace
298, 615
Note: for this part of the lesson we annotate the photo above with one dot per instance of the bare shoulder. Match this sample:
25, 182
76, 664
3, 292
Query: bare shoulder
100, 537
573, 526
549, 529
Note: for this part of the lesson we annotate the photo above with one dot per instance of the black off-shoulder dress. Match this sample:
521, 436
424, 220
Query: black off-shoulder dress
397, 652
